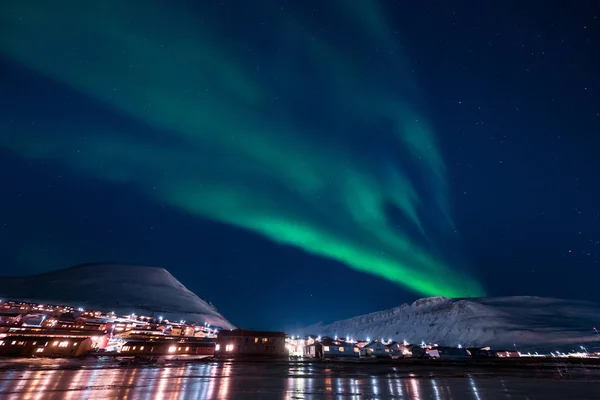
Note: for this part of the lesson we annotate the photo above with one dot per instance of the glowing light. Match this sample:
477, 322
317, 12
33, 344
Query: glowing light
276, 174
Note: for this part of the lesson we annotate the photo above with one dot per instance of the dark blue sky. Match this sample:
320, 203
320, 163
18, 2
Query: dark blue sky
511, 90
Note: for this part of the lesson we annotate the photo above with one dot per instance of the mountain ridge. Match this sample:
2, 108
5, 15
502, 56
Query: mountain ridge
115, 287
515, 321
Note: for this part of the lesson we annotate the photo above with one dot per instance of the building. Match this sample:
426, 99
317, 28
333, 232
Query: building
505, 353
399, 350
98, 338
10, 317
376, 349
418, 351
330, 348
167, 347
240, 342
450, 353
44, 346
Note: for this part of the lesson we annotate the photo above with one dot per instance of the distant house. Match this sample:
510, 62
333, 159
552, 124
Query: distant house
33, 319
376, 349
240, 342
505, 353
418, 351
399, 350
331, 348
10, 318
450, 353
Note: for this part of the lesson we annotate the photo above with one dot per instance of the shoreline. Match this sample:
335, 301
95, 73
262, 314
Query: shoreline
457, 365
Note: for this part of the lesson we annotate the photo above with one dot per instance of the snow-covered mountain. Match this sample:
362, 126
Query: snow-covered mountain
115, 287
524, 322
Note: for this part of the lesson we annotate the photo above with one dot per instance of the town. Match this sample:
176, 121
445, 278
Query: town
48, 330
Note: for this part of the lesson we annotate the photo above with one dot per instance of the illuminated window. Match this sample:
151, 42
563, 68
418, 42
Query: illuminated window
187, 349
133, 347
179, 349
325, 348
141, 348
387, 350
356, 350
341, 349
55, 343
75, 344
1, 342
218, 347
63, 344
255, 340
172, 349
265, 340
41, 349
229, 347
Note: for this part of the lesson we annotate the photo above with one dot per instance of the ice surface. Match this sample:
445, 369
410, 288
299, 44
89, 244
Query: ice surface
115, 287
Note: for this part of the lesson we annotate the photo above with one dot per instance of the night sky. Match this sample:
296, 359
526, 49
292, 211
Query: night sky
296, 162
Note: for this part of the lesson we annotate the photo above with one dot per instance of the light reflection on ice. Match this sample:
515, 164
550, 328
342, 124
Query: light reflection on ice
435, 389
274, 380
415, 389
474, 388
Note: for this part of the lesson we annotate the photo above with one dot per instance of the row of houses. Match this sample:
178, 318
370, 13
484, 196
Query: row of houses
328, 348
337, 348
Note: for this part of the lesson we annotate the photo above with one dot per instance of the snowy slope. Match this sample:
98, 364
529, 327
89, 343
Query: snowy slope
114, 287
501, 322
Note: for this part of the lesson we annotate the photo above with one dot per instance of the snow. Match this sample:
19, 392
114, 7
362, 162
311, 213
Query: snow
520, 321
115, 287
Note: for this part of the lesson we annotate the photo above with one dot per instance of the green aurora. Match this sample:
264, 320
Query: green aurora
258, 124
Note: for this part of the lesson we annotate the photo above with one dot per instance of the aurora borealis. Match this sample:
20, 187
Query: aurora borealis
242, 142
317, 159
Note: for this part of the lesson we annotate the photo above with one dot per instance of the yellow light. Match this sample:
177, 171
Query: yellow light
172, 349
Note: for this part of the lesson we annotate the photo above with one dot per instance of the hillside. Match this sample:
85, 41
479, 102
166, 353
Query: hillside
115, 287
502, 322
